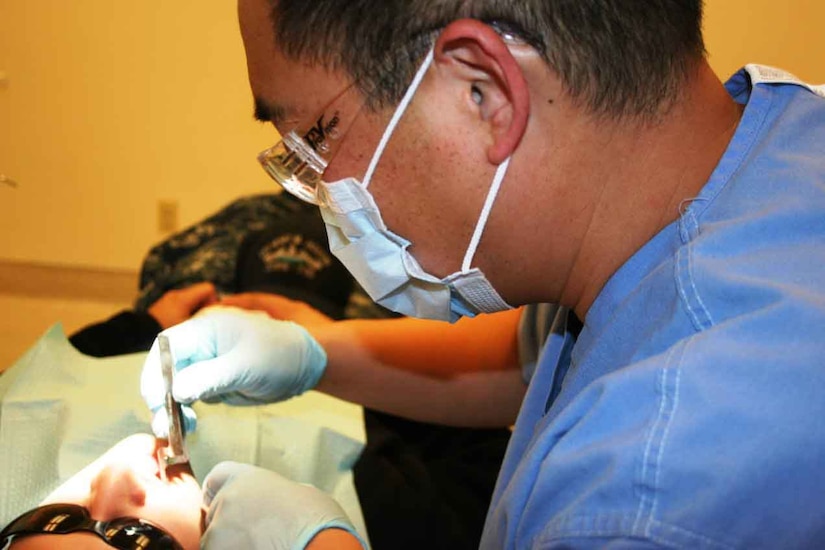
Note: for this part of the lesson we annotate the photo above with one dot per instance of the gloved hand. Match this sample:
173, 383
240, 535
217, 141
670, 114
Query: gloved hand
234, 356
250, 507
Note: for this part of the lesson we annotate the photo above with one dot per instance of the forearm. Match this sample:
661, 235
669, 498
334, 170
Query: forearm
488, 398
483, 343
334, 539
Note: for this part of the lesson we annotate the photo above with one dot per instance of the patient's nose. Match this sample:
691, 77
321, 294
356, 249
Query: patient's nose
116, 492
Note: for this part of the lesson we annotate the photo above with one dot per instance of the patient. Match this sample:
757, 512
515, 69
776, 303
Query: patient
123, 483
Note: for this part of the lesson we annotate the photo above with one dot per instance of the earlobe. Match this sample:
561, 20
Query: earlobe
477, 54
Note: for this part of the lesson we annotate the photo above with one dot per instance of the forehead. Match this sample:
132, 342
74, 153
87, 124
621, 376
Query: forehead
295, 87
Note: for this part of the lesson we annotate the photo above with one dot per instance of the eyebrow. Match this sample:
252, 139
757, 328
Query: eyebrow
270, 112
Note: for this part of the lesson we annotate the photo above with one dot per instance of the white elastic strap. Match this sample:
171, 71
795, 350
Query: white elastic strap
485, 213
405, 101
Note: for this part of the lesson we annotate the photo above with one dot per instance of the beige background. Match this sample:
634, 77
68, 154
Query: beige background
109, 107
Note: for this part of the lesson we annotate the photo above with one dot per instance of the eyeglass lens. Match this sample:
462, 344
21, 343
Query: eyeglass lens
299, 160
122, 533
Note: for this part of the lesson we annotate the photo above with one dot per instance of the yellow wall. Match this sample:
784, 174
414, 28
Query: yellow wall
784, 34
112, 106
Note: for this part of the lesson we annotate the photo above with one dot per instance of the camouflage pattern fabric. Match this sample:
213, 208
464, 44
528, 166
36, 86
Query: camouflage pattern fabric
208, 251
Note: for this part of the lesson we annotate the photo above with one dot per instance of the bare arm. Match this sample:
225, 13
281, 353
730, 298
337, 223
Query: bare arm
334, 539
464, 374
483, 343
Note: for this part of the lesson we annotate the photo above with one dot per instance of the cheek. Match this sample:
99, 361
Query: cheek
177, 508
430, 189
116, 490
357, 147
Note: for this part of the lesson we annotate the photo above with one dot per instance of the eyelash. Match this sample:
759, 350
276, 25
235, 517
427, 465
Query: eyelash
476, 95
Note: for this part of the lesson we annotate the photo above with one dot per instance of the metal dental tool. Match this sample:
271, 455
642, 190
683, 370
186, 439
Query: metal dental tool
174, 452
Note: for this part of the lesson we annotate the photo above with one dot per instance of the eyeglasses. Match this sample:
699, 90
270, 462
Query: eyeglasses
299, 160
61, 519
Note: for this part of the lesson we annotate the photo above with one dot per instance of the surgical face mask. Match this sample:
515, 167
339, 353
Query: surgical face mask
379, 259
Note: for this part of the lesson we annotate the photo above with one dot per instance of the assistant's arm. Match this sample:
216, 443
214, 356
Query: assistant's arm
334, 539
465, 374
482, 343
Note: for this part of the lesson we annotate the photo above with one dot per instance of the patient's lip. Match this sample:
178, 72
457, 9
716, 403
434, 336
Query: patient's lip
144, 466
178, 473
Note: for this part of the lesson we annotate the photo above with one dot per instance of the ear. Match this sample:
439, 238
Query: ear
476, 55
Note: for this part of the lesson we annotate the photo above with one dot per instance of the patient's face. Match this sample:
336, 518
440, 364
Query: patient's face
125, 482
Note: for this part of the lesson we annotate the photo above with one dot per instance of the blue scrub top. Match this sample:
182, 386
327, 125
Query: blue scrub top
690, 410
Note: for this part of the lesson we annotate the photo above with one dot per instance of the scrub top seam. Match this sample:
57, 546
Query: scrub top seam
592, 526
750, 127
698, 313
649, 475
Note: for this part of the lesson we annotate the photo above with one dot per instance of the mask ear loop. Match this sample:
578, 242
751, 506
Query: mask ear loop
501, 171
399, 111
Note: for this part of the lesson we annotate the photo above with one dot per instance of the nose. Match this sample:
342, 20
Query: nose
117, 491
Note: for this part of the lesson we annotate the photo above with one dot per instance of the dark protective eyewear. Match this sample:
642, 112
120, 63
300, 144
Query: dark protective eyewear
61, 519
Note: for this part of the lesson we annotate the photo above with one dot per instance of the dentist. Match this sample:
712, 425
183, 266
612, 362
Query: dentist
469, 157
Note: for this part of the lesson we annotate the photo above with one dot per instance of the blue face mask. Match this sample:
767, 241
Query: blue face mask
379, 259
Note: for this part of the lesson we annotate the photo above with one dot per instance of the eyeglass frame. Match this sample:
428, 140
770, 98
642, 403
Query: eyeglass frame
88, 525
310, 146
303, 153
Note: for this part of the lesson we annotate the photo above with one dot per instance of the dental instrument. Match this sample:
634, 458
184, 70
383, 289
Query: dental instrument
174, 452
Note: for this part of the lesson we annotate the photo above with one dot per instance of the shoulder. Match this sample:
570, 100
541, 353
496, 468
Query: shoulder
697, 446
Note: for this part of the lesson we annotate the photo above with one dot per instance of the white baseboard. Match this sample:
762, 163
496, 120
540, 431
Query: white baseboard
67, 282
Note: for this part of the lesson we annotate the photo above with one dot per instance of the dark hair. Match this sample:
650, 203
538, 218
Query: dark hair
617, 57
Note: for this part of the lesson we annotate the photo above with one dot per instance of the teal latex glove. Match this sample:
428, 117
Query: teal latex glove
234, 356
254, 508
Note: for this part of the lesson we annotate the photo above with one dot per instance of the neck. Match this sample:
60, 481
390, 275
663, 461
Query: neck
634, 179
